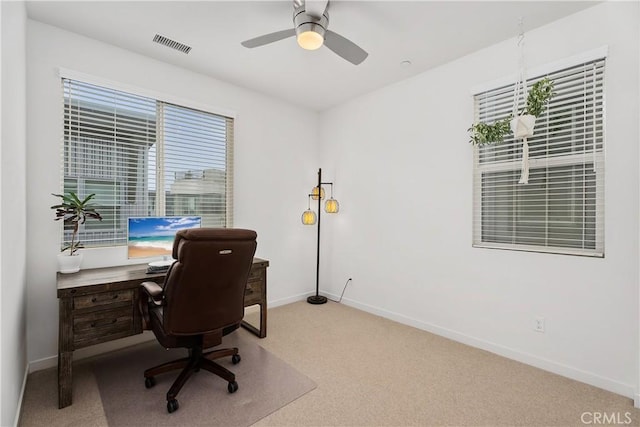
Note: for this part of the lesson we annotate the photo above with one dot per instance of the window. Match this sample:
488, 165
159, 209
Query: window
561, 209
143, 157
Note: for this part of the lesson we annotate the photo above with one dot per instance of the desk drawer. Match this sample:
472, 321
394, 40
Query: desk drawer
102, 299
101, 325
253, 293
255, 274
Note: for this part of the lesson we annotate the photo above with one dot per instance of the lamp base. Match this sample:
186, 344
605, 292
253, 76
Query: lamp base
316, 299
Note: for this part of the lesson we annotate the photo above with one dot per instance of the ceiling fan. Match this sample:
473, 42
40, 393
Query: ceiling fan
311, 22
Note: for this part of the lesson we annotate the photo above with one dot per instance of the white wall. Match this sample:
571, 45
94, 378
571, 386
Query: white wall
13, 207
402, 169
275, 144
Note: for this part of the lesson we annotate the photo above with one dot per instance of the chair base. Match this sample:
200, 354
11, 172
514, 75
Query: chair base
197, 360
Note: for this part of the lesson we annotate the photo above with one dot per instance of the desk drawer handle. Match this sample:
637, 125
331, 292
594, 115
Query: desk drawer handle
94, 324
94, 299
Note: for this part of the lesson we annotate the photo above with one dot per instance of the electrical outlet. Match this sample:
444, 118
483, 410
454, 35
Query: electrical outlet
539, 324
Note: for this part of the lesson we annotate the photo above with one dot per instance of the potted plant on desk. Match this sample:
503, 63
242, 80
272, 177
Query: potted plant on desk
73, 211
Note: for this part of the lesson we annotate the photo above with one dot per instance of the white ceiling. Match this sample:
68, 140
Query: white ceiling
427, 33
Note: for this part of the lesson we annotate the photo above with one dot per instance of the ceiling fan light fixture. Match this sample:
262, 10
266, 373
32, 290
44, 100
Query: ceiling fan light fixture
312, 32
310, 40
310, 36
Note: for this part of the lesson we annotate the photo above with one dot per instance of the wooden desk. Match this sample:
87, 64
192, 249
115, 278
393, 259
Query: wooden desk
101, 304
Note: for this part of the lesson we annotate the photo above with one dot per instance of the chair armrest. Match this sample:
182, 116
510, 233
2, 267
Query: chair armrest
153, 290
149, 293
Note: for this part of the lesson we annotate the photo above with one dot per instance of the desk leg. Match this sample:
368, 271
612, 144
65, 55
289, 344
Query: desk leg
65, 353
65, 362
263, 320
263, 307
262, 332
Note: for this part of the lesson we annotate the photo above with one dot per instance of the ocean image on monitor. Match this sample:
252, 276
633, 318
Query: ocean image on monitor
153, 236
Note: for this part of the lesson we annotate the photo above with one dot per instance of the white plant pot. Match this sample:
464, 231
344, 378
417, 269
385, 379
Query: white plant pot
522, 126
69, 263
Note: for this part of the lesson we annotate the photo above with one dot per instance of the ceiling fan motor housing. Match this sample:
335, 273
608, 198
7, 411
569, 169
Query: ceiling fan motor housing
304, 22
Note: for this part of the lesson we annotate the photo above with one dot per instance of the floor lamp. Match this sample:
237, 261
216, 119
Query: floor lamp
309, 217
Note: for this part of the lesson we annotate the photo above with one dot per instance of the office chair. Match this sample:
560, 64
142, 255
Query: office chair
201, 301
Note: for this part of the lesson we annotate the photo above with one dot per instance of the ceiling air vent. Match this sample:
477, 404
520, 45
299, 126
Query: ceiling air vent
171, 43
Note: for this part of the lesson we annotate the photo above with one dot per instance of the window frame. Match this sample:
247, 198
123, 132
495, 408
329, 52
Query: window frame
160, 99
595, 157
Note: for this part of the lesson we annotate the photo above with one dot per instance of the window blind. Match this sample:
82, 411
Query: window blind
561, 209
143, 157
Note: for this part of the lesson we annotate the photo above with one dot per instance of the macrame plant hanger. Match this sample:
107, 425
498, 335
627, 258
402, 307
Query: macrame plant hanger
519, 130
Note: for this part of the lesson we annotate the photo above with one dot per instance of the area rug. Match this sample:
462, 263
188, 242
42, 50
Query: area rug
266, 384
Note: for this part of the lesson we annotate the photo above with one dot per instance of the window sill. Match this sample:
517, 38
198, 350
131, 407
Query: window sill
542, 249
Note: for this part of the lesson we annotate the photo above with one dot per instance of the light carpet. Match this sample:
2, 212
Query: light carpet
266, 384
370, 371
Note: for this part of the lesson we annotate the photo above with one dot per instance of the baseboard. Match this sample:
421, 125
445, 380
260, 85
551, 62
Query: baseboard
289, 300
636, 400
21, 396
595, 380
83, 353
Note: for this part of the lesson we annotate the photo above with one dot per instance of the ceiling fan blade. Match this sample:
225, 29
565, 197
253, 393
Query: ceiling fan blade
269, 38
344, 48
315, 8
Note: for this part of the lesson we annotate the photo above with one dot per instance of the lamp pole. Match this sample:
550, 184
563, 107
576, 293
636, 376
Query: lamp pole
317, 298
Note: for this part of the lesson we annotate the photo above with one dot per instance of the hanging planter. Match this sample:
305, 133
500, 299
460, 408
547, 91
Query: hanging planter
537, 99
521, 124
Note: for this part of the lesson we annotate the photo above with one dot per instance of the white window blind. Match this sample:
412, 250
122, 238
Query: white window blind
561, 209
143, 157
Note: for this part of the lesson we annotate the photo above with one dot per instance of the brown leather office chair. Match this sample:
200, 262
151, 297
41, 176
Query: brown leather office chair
202, 300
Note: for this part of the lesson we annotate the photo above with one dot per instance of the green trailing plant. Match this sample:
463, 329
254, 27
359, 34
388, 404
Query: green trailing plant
483, 133
538, 98
74, 212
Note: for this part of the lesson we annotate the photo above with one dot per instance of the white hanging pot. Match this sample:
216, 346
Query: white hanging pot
522, 126
69, 263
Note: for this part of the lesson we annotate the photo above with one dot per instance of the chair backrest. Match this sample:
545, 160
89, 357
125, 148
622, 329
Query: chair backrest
204, 288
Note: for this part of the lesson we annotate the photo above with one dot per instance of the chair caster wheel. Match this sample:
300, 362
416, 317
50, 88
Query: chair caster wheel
235, 359
232, 387
149, 382
172, 405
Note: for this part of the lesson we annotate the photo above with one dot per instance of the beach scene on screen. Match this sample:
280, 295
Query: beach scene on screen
153, 236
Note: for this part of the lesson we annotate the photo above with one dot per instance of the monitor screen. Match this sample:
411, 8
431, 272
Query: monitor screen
152, 236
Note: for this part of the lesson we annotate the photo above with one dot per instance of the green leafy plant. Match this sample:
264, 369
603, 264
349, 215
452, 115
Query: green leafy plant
74, 211
483, 133
537, 100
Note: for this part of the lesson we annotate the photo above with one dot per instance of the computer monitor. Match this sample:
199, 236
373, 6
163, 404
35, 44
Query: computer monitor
152, 236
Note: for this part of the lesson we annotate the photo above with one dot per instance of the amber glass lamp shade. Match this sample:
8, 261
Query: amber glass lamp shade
309, 217
331, 205
314, 193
